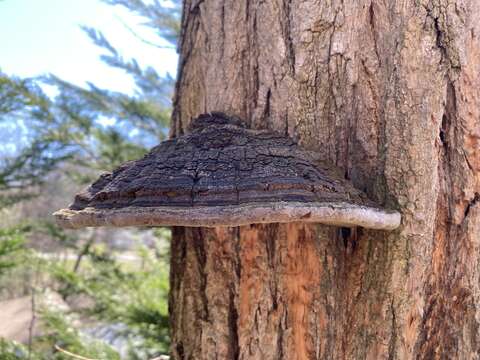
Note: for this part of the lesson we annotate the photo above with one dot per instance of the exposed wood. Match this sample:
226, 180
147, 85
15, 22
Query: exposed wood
388, 91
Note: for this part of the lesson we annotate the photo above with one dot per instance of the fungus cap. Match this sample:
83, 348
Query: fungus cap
223, 174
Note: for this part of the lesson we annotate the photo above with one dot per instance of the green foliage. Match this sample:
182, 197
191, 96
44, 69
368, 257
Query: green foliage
64, 335
132, 294
43, 145
76, 133
147, 310
134, 297
69, 127
162, 16
10, 198
11, 350
11, 247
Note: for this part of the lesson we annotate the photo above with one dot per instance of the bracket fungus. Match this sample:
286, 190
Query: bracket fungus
223, 174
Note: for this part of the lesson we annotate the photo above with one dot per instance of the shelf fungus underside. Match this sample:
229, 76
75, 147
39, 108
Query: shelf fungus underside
223, 174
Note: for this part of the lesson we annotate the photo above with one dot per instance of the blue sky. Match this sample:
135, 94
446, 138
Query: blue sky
38, 37
43, 36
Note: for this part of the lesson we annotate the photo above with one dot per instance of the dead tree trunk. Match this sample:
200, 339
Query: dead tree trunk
390, 92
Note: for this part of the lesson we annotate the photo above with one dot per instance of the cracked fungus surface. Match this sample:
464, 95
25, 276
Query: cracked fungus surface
223, 174
219, 163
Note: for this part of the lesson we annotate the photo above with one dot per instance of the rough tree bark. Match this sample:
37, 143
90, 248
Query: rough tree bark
390, 92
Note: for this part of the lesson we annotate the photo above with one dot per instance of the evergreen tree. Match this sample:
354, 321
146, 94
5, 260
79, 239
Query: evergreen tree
46, 137
69, 126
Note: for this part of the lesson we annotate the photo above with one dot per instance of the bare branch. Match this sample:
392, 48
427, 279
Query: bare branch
142, 39
75, 356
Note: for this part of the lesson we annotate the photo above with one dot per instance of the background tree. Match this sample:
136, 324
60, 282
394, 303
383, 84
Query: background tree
53, 145
389, 92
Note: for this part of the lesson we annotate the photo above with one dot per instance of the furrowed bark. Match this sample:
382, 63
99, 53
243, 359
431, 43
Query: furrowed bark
389, 92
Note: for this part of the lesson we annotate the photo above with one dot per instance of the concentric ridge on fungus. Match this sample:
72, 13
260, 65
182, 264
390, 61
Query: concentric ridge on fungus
223, 174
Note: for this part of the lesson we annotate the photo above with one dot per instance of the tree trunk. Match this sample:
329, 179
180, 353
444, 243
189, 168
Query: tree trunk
390, 92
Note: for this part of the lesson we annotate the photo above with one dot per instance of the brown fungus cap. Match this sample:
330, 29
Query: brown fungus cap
223, 174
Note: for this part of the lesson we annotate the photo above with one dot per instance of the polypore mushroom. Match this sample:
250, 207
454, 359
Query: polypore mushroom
223, 174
